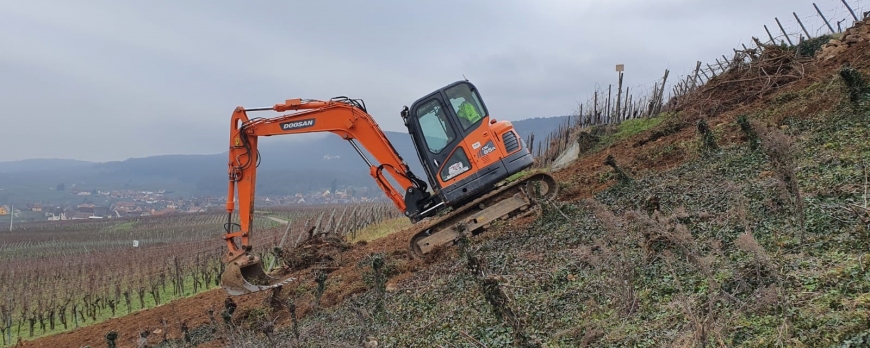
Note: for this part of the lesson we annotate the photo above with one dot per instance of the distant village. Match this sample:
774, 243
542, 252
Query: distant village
130, 203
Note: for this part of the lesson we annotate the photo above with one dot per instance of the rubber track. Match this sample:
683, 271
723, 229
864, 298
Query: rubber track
467, 209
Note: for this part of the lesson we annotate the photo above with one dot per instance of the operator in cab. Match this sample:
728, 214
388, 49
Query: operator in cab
465, 105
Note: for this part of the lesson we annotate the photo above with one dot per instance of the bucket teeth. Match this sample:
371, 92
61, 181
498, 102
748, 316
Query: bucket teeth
248, 278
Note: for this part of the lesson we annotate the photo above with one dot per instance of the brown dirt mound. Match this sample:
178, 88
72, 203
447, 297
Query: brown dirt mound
320, 251
747, 81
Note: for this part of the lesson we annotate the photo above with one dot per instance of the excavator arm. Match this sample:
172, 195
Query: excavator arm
344, 117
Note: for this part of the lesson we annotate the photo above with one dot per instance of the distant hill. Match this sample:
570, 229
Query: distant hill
540, 126
42, 164
284, 169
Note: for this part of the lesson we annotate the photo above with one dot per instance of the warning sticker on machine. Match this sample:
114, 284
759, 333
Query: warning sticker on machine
455, 169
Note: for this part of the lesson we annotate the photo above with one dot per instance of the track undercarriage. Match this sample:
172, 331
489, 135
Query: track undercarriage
518, 198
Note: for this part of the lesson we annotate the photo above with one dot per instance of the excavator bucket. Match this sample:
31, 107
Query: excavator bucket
245, 275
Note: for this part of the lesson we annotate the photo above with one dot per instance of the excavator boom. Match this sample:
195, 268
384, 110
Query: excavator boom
344, 117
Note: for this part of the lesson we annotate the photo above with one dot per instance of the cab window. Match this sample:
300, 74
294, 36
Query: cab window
435, 126
466, 104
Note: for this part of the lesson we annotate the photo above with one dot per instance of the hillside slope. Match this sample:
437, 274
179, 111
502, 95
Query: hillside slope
742, 220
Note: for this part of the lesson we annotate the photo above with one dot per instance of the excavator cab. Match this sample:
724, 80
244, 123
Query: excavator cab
463, 150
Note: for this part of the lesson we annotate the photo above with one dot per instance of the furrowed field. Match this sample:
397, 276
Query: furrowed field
60, 275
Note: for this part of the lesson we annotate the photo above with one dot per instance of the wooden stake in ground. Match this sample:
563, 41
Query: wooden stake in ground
824, 19
768, 35
280, 245
661, 93
609, 92
695, 78
850, 10
619, 68
624, 111
802, 25
595, 109
783, 31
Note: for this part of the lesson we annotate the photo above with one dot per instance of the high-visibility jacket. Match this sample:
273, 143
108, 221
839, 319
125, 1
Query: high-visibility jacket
469, 113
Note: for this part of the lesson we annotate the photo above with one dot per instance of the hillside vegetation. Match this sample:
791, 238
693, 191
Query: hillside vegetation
755, 236
739, 219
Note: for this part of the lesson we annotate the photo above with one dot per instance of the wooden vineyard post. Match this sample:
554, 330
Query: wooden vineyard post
721, 66
712, 70
850, 10
566, 135
824, 19
338, 224
281, 243
329, 222
595, 108
783, 31
695, 78
706, 77
769, 35
349, 224
802, 25
531, 144
658, 99
619, 69
607, 110
317, 225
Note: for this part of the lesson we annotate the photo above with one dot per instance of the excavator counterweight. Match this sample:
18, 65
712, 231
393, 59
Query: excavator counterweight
466, 154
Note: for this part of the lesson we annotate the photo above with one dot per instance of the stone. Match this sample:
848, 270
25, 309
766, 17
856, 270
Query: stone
570, 155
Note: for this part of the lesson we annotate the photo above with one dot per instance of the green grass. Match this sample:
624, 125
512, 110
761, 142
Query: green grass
631, 127
123, 227
516, 176
381, 229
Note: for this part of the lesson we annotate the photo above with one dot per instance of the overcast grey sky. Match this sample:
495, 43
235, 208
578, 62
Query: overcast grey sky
108, 80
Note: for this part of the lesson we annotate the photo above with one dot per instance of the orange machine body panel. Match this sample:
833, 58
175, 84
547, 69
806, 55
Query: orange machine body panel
463, 149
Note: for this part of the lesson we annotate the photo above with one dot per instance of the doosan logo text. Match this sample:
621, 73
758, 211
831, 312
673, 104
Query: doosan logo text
297, 124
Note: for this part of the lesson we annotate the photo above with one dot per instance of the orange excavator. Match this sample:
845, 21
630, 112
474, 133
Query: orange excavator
466, 154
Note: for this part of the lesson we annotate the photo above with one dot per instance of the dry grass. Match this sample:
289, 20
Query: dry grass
780, 150
746, 242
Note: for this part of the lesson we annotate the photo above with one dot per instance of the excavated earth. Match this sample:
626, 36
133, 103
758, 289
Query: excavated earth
580, 180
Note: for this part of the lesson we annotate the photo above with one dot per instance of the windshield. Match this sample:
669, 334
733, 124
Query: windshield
435, 126
466, 104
